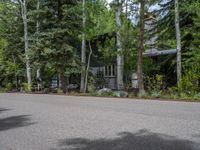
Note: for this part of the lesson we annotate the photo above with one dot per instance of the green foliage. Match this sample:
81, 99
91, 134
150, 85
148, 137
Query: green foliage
59, 91
142, 94
188, 88
196, 96
55, 47
189, 84
3, 90
154, 85
25, 87
156, 94
99, 19
91, 87
9, 86
105, 94
192, 55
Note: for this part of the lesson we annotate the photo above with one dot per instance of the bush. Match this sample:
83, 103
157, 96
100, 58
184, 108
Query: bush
142, 94
188, 86
156, 94
90, 86
196, 96
25, 87
108, 94
2, 90
154, 85
9, 87
59, 91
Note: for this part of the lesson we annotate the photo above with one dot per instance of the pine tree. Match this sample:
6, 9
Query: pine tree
13, 48
141, 48
59, 37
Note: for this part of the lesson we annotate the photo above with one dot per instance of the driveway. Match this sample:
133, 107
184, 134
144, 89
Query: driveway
49, 122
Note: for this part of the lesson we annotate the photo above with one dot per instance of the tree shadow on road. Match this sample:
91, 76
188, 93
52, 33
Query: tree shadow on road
3, 109
196, 135
15, 122
142, 140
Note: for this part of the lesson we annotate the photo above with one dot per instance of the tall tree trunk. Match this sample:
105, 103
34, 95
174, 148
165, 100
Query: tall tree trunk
38, 76
83, 51
126, 9
120, 57
88, 66
37, 32
26, 44
15, 69
37, 23
178, 41
63, 81
141, 48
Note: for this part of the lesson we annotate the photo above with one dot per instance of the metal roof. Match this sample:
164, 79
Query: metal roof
155, 52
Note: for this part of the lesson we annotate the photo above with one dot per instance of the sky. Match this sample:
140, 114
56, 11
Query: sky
108, 1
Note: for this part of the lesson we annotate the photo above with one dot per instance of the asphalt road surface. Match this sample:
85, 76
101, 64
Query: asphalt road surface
49, 122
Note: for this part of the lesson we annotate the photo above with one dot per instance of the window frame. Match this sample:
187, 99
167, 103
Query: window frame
110, 70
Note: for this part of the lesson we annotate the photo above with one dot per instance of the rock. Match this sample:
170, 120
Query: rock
104, 91
120, 94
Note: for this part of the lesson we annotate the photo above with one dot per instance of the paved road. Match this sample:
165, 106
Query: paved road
48, 122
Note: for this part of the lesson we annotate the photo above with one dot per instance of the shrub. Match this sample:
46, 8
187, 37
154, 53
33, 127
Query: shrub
188, 86
196, 96
154, 85
156, 94
59, 91
91, 87
142, 94
2, 90
9, 87
25, 87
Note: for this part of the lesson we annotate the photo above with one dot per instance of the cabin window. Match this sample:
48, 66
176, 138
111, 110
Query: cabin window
110, 70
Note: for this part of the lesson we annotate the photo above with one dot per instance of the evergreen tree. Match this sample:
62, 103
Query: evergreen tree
58, 39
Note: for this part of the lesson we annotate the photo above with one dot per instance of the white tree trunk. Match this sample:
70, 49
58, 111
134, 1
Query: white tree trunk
37, 32
88, 67
83, 51
120, 57
178, 41
26, 44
